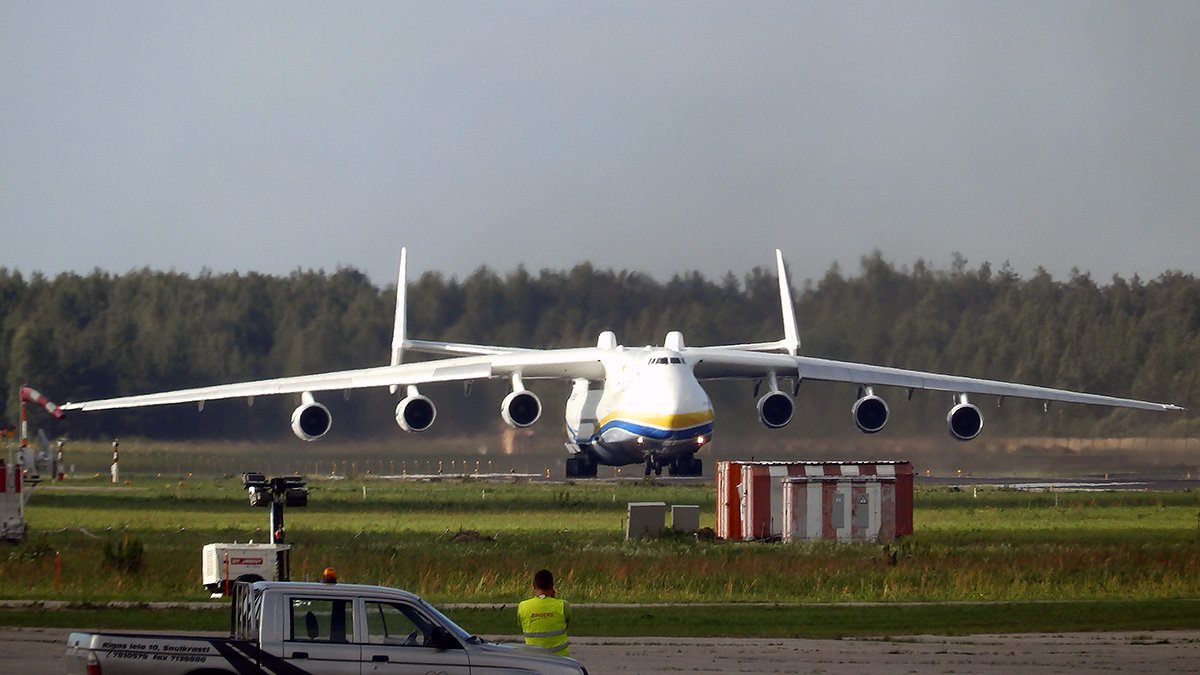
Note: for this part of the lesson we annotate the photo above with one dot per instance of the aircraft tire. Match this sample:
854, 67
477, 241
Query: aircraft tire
581, 467
687, 466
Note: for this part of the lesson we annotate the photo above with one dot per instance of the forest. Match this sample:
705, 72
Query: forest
77, 337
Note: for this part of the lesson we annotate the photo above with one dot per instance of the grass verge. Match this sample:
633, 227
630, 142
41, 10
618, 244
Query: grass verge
797, 621
469, 541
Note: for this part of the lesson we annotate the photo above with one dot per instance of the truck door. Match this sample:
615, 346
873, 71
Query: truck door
319, 637
400, 642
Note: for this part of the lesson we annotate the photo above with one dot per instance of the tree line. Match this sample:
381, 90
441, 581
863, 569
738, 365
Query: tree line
80, 337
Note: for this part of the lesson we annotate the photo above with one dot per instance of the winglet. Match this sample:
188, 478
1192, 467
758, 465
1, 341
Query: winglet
791, 334
399, 330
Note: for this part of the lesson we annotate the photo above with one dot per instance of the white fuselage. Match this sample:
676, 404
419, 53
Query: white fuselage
650, 404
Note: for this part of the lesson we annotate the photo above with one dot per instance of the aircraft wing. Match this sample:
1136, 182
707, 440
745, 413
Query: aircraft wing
459, 348
710, 363
404, 374
561, 364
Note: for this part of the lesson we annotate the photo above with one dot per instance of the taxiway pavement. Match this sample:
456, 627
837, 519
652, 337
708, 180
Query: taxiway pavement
42, 651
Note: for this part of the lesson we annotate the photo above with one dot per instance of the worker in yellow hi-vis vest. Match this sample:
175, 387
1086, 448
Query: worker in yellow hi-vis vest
544, 618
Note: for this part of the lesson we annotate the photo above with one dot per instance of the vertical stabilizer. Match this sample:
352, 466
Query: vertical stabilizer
399, 329
791, 334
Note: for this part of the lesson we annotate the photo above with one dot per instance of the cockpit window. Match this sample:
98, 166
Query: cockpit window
664, 360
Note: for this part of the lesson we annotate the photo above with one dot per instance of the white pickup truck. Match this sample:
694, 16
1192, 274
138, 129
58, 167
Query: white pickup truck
292, 628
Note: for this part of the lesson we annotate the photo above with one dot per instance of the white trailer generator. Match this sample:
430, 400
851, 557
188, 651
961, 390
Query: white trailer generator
226, 564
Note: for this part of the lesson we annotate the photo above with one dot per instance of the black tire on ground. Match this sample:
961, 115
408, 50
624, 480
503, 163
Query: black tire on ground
686, 466
581, 467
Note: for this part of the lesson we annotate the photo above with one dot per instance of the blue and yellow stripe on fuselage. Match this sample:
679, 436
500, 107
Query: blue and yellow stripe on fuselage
628, 438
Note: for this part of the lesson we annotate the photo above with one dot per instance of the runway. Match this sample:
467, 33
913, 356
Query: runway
1113, 482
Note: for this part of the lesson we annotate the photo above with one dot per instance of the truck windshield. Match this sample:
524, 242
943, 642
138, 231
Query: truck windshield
455, 630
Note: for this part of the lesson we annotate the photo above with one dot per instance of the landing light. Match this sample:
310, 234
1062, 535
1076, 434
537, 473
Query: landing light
700, 440
640, 440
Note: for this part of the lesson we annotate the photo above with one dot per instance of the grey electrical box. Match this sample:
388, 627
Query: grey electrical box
685, 517
645, 519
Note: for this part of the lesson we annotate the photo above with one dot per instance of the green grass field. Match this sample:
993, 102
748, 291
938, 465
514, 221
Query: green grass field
812, 621
1008, 560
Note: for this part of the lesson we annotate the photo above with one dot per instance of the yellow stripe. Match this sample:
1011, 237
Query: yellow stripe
673, 422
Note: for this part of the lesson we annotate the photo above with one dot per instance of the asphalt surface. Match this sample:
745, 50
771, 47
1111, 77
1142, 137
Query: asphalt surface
42, 651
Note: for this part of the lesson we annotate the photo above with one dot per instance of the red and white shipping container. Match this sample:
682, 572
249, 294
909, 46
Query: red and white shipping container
750, 494
841, 508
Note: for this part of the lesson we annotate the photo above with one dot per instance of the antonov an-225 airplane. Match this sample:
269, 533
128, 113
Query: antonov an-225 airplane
627, 405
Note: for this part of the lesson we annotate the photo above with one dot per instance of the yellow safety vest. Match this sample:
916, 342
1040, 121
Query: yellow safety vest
544, 623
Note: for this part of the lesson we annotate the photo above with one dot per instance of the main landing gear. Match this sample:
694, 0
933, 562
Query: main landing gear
582, 465
680, 466
686, 466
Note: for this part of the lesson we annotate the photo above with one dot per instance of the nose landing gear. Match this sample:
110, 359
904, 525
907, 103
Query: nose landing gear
653, 464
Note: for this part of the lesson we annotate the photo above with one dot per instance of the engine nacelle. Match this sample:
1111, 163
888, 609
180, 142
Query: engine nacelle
964, 421
415, 413
520, 408
311, 420
870, 414
775, 409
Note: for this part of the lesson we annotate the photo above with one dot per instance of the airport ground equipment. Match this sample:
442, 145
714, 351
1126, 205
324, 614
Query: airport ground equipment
685, 518
645, 519
297, 628
22, 467
44, 460
12, 502
750, 496
842, 508
276, 493
223, 565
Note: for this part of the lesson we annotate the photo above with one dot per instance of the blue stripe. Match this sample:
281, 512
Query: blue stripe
656, 433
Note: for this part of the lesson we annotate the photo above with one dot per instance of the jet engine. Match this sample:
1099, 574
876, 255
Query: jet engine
311, 420
775, 409
415, 413
964, 421
870, 413
520, 408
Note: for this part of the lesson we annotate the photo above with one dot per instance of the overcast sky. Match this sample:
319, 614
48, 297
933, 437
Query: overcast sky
652, 136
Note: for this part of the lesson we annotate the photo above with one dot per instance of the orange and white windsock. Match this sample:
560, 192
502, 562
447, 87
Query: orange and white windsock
34, 396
